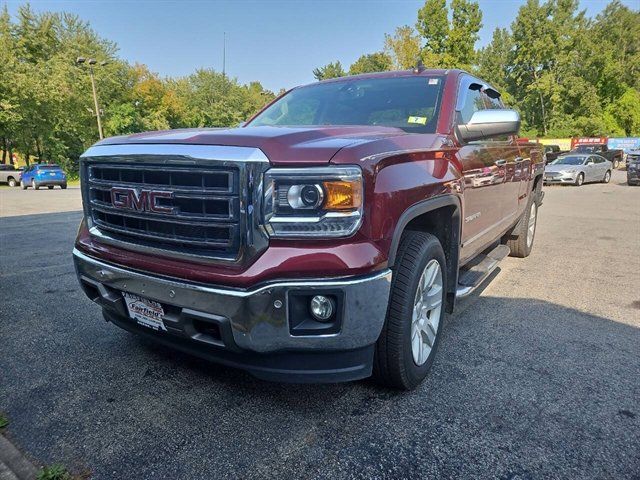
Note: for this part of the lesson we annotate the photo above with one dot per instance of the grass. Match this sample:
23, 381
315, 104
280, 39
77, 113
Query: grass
4, 421
54, 472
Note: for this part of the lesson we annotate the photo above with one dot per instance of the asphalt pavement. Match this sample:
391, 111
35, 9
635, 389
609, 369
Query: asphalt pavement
537, 376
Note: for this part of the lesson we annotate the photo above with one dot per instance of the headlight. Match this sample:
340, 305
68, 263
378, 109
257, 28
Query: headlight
313, 202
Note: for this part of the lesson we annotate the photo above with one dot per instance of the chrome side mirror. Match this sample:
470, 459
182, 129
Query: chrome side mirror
489, 123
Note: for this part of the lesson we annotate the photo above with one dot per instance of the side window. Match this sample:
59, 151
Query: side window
493, 100
474, 101
598, 159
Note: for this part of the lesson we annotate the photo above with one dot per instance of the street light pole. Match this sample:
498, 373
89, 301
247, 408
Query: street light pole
91, 63
95, 100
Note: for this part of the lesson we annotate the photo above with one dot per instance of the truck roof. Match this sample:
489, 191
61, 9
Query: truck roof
424, 72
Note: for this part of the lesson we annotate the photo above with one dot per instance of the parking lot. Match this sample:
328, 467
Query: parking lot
537, 376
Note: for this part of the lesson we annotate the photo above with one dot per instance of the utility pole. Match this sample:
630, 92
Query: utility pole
224, 54
91, 62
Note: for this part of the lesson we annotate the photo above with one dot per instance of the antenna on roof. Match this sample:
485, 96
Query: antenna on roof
419, 66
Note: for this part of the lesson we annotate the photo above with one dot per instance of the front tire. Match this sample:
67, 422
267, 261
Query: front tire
34, 184
579, 180
23, 185
607, 177
410, 336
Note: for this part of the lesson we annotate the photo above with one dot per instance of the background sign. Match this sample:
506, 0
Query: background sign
626, 143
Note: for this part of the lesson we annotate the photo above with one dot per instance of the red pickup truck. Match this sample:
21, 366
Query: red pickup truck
322, 241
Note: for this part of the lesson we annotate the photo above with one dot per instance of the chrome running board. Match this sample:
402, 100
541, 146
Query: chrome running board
471, 276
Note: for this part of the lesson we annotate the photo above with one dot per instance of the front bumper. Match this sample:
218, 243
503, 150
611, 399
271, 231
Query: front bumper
252, 328
567, 178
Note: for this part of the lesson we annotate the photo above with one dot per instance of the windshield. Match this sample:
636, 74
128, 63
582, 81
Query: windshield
409, 103
587, 149
572, 160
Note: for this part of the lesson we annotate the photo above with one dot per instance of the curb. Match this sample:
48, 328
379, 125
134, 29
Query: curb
13, 464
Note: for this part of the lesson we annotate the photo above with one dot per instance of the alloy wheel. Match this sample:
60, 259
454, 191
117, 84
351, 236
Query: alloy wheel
531, 225
426, 312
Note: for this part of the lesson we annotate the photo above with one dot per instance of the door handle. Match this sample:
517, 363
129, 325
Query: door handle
519, 159
500, 163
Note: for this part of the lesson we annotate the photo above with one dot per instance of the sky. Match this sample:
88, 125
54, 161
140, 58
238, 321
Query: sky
276, 42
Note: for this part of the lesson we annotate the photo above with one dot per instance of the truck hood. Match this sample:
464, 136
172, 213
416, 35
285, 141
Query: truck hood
282, 145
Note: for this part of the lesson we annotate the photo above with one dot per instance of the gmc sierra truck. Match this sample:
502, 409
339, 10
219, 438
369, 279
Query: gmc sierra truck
322, 241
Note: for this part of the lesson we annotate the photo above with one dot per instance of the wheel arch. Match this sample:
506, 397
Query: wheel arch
439, 216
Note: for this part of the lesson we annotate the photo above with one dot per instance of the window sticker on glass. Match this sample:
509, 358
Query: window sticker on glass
434, 81
420, 120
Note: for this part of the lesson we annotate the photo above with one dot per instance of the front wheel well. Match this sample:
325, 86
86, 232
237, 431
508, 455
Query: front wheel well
444, 223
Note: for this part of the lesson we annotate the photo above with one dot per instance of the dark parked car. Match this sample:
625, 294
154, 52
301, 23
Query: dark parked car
37, 176
9, 174
552, 152
633, 167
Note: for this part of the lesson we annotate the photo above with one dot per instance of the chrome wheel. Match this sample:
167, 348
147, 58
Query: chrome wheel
427, 307
531, 226
607, 177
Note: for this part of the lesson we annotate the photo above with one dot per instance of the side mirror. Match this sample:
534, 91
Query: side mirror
241, 124
489, 123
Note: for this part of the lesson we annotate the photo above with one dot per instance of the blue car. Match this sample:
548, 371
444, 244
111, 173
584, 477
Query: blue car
37, 176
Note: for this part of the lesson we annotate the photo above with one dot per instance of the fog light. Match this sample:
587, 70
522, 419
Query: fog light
322, 308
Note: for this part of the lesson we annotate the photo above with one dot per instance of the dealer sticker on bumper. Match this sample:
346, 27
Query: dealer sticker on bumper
144, 311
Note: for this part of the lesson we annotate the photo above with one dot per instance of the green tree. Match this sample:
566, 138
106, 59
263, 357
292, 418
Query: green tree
449, 44
369, 63
403, 47
493, 62
330, 70
433, 27
626, 112
465, 24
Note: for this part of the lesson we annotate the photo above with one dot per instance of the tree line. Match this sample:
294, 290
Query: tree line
46, 107
567, 74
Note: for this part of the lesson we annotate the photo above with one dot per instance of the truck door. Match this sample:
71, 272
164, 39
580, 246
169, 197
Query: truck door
516, 165
484, 169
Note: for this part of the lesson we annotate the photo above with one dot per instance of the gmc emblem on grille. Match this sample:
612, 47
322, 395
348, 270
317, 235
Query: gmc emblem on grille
141, 200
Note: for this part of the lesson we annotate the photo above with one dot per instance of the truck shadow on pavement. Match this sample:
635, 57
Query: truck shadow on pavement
520, 388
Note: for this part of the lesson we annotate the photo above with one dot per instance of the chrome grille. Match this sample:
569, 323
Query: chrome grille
204, 205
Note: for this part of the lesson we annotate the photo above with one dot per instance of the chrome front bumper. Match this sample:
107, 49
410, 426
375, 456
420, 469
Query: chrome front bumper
255, 320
